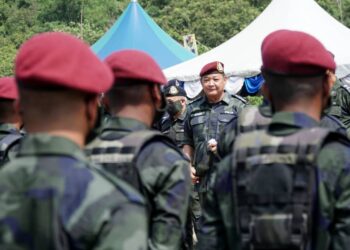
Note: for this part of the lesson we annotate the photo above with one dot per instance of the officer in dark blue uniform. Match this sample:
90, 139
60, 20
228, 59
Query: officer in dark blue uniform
172, 124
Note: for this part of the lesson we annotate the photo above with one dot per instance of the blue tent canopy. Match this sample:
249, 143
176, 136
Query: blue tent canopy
135, 29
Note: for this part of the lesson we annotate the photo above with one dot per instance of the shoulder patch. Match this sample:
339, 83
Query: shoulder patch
195, 100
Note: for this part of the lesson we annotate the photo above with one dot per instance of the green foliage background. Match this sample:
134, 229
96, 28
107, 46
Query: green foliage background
212, 21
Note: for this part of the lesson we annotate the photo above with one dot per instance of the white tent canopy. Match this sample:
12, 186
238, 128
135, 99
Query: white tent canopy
241, 54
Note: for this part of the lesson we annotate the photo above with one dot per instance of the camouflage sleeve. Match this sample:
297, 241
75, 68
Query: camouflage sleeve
334, 191
344, 99
226, 139
188, 136
165, 176
212, 231
127, 229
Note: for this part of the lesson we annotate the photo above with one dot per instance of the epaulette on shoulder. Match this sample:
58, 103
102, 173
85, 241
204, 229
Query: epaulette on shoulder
345, 86
195, 100
240, 98
335, 120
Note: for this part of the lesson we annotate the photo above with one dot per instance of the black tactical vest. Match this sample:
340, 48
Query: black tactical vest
118, 156
6, 143
274, 185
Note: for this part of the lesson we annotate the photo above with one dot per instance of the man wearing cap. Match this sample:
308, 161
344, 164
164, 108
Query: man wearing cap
51, 196
172, 124
147, 159
340, 105
10, 120
286, 187
206, 117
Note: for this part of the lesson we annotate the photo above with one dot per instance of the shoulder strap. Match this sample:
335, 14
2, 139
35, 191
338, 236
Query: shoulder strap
139, 139
7, 142
313, 139
345, 86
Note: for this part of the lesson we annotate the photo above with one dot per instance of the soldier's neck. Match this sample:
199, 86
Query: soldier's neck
76, 137
141, 114
215, 99
310, 110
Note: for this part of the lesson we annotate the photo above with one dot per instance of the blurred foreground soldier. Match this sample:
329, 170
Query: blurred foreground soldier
10, 120
51, 197
286, 187
206, 117
147, 159
172, 124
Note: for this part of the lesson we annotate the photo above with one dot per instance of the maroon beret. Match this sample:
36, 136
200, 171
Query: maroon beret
8, 88
135, 65
212, 67
58, 59
287, 52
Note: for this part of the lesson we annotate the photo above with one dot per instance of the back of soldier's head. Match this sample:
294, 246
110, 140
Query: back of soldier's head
56, 74
8, 97
295, 66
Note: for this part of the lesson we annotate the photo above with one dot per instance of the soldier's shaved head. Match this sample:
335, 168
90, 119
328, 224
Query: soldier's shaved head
7, 111
47, 110
292, 89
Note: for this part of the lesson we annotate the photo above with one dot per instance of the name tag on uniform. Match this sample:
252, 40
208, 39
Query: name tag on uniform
228, 112
198, 114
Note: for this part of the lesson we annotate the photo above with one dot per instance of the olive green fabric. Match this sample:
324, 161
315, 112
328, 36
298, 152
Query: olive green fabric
340, 108
53, 198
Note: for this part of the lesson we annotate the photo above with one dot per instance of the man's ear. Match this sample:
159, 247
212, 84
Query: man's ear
156, 95
91, 110
328, 83
266, 92
18, 114
17, 106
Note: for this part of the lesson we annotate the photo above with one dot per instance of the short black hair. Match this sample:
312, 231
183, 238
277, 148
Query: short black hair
7, 110
127, 92
289, 89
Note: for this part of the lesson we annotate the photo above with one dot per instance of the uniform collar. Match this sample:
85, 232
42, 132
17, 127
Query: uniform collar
182, 116
8, 128
226, 99
48, 145
125, 124
289, 122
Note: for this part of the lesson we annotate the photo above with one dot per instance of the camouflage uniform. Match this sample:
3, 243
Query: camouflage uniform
51, 178
9, 141
205, 121
331, 227
255, 118
174, 129
341, 103
164, 177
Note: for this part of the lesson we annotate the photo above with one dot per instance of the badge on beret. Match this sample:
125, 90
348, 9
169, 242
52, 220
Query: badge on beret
173, 90
219, 67
177, 83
